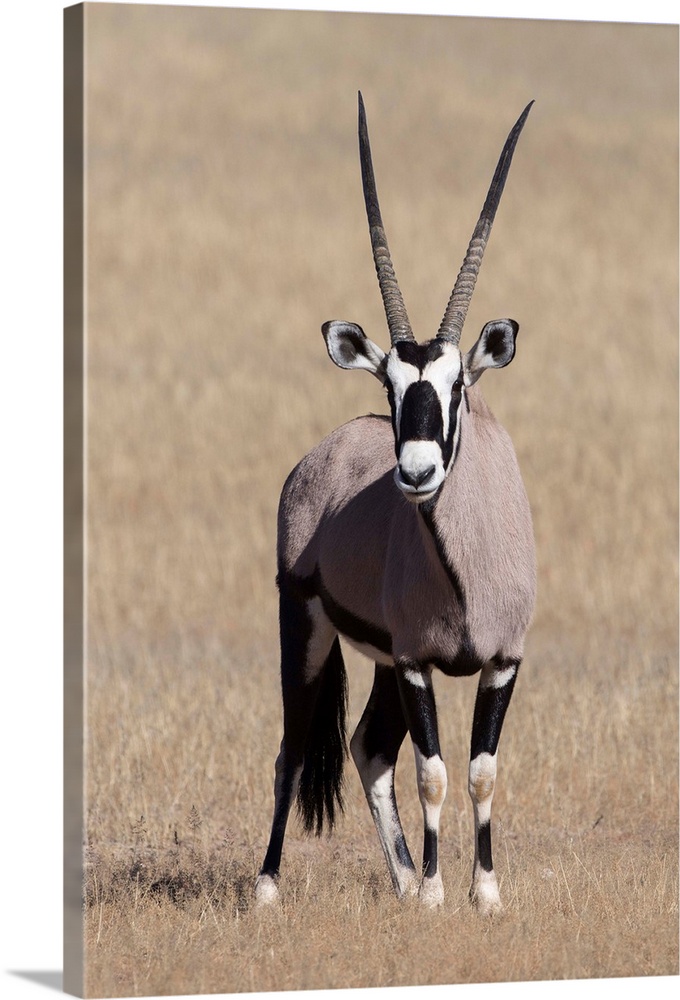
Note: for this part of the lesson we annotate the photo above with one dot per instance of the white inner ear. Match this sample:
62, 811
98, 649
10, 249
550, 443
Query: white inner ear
475, 361
372, 358
469, 377
479, 357
349, 347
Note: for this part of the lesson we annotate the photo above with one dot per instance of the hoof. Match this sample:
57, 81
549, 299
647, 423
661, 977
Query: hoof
485, 897
487, 907
431, 892
408, 886
266, 891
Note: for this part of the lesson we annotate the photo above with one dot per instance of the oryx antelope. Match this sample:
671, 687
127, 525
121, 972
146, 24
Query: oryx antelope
423, 562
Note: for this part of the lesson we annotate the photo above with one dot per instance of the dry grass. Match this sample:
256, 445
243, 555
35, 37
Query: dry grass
586, 845
225, 224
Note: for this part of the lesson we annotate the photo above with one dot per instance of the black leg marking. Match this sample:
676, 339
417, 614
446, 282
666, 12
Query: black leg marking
418, 703
491, 706
496, 685
484, 846
430, 852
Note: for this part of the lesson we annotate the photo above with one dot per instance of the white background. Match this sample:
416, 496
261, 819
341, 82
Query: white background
30, 490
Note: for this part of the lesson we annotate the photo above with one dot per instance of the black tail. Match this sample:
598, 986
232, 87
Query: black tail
320, 789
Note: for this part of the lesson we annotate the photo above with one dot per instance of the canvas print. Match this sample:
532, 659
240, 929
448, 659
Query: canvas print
298, 600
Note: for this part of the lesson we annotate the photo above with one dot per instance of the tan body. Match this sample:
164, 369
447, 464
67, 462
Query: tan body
342, 519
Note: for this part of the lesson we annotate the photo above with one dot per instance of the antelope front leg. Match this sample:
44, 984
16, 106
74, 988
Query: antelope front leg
417, 698
493, 697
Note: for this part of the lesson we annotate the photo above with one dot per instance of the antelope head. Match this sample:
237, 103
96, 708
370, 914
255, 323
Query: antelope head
426, 383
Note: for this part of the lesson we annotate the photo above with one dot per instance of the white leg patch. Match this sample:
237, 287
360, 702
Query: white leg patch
380, 801
414, 677
266, 891
492, 677
484, 893
431, 891
481, 784
432, 784
378, 781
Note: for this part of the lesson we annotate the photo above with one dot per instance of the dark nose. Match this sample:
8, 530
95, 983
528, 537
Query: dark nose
416, 479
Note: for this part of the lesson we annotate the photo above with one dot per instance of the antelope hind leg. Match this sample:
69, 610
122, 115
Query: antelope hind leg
374, 747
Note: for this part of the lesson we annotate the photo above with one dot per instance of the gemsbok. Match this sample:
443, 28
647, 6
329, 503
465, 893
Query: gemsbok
427, 562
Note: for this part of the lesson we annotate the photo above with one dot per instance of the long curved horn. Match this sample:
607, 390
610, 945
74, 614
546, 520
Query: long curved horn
397, 318
452, 324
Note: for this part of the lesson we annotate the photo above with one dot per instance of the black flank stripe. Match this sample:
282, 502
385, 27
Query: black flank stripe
348, 624
351, 625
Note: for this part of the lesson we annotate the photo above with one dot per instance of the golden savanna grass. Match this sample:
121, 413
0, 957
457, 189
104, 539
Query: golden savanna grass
224, 225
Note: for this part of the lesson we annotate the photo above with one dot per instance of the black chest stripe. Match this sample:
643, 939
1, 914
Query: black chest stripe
467, 661
427, 511
355, 628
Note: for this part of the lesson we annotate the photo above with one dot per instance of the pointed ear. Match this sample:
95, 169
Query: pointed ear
494, 349
349, 347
